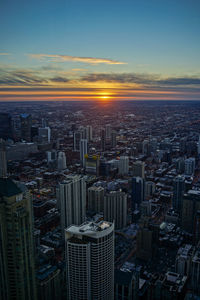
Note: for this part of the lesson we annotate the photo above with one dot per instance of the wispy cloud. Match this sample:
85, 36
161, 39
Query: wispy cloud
142, 79
20, 77
60, 79
55, 83
4, 53
89, 60
120, 77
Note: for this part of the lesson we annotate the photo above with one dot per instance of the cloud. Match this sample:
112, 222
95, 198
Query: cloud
4, 53
181, 81
120, 78
59, 79
90, 60
51, 67
20, 77
143, 79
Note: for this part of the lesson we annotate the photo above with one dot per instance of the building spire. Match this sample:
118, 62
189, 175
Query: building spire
3, 162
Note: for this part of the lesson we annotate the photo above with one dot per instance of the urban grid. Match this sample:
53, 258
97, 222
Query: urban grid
100, 208
99, 149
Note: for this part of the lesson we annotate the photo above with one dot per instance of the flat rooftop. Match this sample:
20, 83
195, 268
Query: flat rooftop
93, 229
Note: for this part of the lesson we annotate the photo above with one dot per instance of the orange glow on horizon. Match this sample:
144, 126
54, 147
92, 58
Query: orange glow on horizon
101, 93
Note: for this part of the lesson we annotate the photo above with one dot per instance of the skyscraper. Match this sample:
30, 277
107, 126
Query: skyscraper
3, 162
17, 276
195, 271
123, 165
26, 123
113, 139
108, 131
149, 188
90, 261
147, 239
89, 133
6, 126
115, 208
103, 139
137, 192
72, 200
198, 146
138, 168
190, 166
51, 156
44, 135
78, 135
179, 186
96, 198
190, 208
92, 164
61, 161
83, 150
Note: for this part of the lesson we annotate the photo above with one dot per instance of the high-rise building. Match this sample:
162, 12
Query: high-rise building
149, 188
153, 145
144, 243
26, 123
61, 161
96, 199
89, 133
92, 164
198, 146
197, 227
115, 208
83, 150
180, 165
51, 155
137, 192
44, 122
17, 276
138, 169
44, 135
6, 126
108, 131
190, 208
113, 139
90, 261
145, 208
127, 282
123, 165
169, 286
104, 167
103, 139
3, 162
189, 166
72, 200
184, 259
195, 271
49, 279
179, 187
147, 239
34, 133
145, 147
78, 135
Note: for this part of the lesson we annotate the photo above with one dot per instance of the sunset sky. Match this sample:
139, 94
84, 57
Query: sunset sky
99, 50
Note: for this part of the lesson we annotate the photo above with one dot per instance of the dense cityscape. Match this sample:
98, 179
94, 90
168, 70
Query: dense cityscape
100, 200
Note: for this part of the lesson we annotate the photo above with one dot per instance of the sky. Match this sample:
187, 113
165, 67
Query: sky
99, 50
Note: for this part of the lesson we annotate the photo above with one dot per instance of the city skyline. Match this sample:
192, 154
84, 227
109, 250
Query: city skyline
99, 51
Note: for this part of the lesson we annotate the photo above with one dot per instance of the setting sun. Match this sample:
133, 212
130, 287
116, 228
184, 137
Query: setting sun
104, 97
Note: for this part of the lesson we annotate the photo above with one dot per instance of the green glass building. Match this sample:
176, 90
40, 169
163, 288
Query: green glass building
17, 274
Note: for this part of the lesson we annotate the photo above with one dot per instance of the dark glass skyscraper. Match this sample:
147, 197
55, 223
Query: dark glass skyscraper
26, 123
137, 191
6, 126
179, 187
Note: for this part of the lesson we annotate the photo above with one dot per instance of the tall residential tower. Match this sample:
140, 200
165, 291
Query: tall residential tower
90, 261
